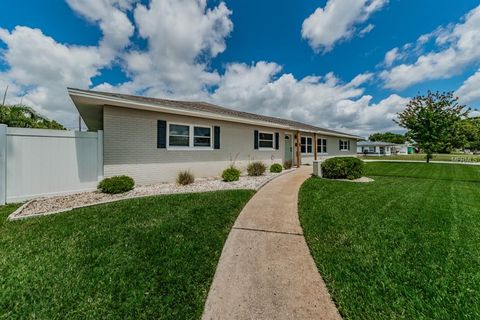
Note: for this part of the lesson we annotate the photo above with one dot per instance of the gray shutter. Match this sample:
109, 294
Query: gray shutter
340, 144
216, 137
255, 139
161, 134
277, 142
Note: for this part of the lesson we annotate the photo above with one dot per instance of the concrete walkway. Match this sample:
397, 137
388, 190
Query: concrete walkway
266, 270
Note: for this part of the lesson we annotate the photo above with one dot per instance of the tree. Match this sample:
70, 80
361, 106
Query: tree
388, 137
24, 117
468, 136
432, 120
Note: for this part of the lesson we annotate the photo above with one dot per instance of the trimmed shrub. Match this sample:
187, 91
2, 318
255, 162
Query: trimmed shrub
256, 168
287, 164
276, 168
185, 177
117, 184
231, 174
342, 168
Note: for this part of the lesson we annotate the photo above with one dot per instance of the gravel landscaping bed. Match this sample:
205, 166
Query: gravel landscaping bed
51, 205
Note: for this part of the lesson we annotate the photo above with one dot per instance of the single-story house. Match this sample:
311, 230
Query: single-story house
152, 140
380, 148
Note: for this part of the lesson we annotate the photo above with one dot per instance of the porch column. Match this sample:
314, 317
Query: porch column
298, 149
315, 145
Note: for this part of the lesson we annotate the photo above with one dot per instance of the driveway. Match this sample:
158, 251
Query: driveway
266, 270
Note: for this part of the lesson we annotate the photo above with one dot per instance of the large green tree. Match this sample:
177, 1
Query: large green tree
468, 134
24, 117
388, 137
432, 120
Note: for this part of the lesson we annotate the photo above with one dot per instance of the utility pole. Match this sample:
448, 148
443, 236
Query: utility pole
5, 96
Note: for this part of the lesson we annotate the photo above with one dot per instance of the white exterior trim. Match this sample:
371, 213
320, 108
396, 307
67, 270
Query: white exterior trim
273, 141
191, 138
118, 102
306, 146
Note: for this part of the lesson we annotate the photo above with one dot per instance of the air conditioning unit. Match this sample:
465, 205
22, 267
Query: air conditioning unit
317, 168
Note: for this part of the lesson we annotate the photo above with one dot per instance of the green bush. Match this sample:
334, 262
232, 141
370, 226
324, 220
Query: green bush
117, 184
256, 168
185, 177
231, 174
287, 164
342, 168
276, 168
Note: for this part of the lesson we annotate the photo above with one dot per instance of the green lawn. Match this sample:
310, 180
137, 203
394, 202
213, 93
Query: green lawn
423, 157
400, 247
437, 171
149, 258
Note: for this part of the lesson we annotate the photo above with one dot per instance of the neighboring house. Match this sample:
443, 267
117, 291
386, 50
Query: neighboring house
152, 140
379, 148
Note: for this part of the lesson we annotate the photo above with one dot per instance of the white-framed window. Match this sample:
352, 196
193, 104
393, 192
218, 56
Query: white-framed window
189, 136
178, 135
266, 140
202, 136
306, 145
322, 145
344, 145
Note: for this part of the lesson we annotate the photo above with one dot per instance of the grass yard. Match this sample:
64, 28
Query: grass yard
406, 246
436, 171
149, 258
422, 157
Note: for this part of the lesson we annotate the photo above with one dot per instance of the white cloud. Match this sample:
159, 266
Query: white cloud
338, 21
324, 101
470, 90
40, 68
366, 30
391, 56
112, 20
457, 47
182, 36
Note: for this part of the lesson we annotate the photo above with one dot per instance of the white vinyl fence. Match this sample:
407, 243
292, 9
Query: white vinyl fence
38, 162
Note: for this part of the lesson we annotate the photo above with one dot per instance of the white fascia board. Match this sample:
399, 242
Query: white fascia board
99, 99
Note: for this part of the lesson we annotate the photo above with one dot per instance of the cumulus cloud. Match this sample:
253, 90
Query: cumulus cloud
112, 20
40, 68
325, 101
182, 37
338, 21
469, 91
456, 46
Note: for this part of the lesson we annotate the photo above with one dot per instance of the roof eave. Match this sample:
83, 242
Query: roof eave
101, 100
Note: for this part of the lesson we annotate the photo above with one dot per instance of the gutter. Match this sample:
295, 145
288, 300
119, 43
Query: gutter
101, 100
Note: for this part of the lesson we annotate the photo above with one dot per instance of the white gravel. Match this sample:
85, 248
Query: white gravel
42, 206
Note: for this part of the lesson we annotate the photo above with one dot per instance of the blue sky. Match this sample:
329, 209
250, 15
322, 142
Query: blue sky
321, 62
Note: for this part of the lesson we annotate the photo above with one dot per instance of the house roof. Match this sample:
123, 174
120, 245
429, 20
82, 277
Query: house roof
375, 143
89, 104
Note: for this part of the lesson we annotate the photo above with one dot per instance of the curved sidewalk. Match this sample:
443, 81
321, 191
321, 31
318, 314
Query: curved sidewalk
266, 270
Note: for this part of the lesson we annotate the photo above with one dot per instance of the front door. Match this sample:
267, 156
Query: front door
288, 148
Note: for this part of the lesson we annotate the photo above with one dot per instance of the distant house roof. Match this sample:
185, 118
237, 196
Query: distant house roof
89, 104
375, 144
